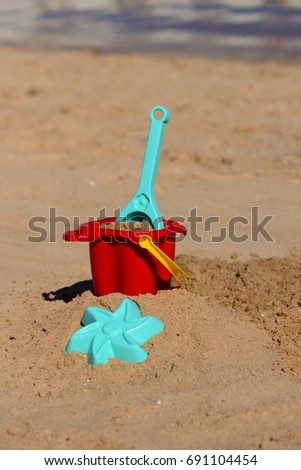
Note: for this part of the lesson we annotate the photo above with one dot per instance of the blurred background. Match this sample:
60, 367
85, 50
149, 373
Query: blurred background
259, 29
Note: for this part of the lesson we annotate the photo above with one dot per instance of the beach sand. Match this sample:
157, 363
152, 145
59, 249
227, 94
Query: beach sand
225, 372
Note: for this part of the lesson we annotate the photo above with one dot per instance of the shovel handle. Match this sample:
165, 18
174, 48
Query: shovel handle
153, 150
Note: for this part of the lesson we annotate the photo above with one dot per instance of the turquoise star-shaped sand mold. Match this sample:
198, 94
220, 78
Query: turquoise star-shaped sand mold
116, 334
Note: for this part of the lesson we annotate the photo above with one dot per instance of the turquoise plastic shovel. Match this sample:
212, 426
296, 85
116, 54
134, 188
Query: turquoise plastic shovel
143, 205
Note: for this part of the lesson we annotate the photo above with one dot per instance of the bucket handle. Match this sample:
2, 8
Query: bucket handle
146, 242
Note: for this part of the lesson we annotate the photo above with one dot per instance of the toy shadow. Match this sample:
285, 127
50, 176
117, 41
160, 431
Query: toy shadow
68, 293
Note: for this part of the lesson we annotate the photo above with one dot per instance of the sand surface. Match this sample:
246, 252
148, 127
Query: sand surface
225, 372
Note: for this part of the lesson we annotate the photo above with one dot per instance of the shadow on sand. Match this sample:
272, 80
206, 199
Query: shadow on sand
68, 293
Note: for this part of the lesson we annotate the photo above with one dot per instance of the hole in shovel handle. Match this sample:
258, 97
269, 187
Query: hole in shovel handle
159, 113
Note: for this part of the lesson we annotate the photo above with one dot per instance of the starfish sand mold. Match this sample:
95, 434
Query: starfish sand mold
116, 334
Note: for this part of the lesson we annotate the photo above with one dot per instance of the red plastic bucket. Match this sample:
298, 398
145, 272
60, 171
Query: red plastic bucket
119, 264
